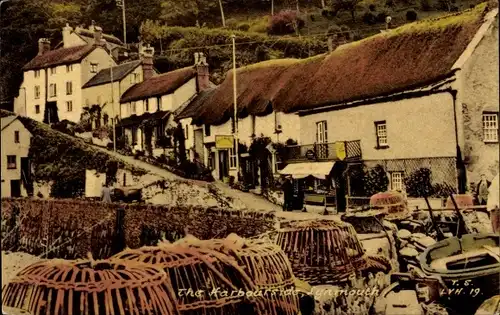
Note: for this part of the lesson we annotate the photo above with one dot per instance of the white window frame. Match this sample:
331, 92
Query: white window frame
381, 134
69, 106
321, 132
232, 159
37, 92
397, 181
53, 70
69, 68
53, 90
12, 165
94, 67
490, 127
37, 73
69, 88
133, 108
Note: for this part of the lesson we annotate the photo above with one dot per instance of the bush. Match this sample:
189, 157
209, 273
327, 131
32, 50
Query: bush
425, 5
381, 16
418, 184
369, 18
285, 22
372, 7
243, 27
65, 126
411, 15
375, 180
333, 30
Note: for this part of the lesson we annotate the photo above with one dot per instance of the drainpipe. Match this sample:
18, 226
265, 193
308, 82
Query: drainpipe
460, 166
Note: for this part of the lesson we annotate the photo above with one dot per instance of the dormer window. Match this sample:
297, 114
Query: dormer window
93, 67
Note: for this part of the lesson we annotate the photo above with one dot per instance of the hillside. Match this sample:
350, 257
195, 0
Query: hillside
62, 159
179, 28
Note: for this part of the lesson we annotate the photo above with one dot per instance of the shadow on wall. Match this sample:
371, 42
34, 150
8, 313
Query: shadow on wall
70, 229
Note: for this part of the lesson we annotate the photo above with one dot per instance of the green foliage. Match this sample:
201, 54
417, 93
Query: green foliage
419, 184
285, 22
220, 58
187, 12
375, 180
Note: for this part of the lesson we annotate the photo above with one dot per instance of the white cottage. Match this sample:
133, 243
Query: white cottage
148, 107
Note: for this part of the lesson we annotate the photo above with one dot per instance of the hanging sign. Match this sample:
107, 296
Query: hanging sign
340, 150
224, 142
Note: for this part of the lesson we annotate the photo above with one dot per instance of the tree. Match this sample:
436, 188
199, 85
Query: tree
345, 5
375, 180
186, 12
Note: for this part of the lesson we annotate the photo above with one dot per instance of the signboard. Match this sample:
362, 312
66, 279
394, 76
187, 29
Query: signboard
224, 142
340, 150
310, 155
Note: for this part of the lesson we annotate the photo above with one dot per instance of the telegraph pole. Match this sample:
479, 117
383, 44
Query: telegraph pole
121, 3
235, 97
113, 105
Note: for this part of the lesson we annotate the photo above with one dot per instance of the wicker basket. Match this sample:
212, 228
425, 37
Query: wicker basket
391, 202
194, 274
266, 264
322, 252
90, 287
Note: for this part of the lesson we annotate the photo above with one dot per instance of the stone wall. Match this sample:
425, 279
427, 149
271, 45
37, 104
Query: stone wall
70, 229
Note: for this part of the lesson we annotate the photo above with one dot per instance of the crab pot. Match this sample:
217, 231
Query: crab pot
322, 252
268, 267
194, 274
393, 203
90, 287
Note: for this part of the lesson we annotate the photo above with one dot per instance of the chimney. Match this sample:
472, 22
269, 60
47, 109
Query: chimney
43, 46
147, 54
202, 73
66, 33
98, 41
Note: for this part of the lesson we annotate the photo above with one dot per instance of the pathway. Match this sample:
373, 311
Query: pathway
247, 199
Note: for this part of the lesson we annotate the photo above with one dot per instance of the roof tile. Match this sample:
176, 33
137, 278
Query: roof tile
59, 57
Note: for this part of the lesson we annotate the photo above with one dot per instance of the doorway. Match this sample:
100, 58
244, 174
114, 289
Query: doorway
51, 116
223, 164
15, 188
26, 175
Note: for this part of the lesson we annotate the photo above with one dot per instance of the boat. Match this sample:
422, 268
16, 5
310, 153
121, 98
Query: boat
469, 266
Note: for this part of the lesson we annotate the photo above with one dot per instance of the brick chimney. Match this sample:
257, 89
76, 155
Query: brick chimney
66, 33
43, 46
202, 73
147, 54
98, 40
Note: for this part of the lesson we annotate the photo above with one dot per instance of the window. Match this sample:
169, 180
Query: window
93, 67
397, 181
321, 132
187, 133
69, 88
232, 158
11, 162
37, 73
134, 78
53, 90
134, 136
277, 122
133, 108
37, 91
207, 130
146, 104
490, 127
253, 126
69, 106
381, 132
16, 136
159, 103
53, 70
37, 109
69, 68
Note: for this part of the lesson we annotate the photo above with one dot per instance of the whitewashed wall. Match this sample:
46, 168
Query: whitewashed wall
416, 128
9, 147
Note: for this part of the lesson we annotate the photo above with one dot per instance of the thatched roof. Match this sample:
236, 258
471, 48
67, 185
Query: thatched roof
159, 85
410, 56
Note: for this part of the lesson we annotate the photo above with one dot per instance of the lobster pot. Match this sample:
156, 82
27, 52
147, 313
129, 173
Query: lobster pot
194, 274
90, 287
463, 201
268, 267
365, 222
393, 203
322, 252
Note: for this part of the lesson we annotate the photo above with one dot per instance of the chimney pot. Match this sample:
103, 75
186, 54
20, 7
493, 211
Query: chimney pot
43, 46
98, 35
202, 73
